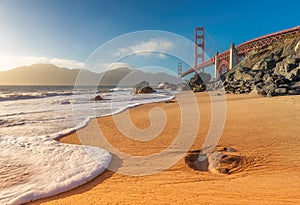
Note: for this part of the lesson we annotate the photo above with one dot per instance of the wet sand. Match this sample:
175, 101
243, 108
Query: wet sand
12, 174
264, 131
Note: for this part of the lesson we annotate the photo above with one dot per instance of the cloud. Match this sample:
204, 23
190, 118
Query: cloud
162, 55
115, 65
68, 63
8, 62
146, 48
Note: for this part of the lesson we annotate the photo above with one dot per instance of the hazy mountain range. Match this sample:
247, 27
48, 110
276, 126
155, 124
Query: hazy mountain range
49, 74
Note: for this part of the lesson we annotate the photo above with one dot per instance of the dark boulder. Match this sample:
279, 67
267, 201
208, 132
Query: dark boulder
145, 90
280, 91
295, 89
98, 98
142, 87
214, 84
196, 83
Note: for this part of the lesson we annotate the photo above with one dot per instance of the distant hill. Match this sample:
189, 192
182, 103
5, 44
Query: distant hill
38, 74
48, 74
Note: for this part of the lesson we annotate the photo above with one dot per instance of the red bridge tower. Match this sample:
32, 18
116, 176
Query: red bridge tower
199, 47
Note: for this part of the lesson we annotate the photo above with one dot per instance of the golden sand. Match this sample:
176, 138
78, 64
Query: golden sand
264, 131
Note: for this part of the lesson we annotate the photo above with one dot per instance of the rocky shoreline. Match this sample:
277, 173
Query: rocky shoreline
270, 71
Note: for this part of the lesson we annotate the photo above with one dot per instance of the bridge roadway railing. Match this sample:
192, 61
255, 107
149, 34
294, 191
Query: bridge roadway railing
259, 42
246, 47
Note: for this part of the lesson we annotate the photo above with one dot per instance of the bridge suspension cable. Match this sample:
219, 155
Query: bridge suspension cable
218, 47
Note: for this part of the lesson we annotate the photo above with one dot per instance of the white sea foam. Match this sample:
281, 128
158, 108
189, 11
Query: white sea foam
46, 167
33, 95
58, 115
28, 126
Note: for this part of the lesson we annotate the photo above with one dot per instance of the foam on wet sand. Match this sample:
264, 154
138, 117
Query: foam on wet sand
38, 167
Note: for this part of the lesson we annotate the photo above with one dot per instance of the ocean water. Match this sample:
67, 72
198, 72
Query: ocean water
30, 111
31, 117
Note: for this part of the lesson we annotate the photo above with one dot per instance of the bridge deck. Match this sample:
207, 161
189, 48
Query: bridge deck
246, 47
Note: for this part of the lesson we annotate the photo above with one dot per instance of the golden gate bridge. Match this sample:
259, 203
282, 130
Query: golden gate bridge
226, 60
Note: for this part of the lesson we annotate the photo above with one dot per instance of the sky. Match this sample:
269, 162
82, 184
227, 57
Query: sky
67, 32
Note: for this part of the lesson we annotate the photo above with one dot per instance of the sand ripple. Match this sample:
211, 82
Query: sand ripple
223, 160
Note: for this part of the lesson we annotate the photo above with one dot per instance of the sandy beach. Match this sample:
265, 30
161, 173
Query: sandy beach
263, 130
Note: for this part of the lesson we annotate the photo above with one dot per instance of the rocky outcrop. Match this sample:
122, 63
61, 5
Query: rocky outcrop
142, 87
269, 71
196, 83
214, 84
171, 86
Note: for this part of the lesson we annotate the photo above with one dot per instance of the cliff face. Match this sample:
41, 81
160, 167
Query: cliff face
271, 70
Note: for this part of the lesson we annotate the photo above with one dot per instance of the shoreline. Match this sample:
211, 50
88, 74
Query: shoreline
66, 132
263, 143
87, 121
